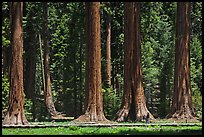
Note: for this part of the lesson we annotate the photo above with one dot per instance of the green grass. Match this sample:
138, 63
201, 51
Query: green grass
74, 130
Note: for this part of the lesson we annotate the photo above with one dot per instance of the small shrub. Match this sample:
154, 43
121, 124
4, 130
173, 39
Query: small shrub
111, 102
28, 108
74, 128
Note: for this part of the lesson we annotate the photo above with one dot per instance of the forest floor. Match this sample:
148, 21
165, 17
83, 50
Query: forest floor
91, 124
67, 123
161, 127
122, 130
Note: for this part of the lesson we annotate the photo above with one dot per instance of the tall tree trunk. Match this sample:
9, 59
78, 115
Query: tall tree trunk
15, 114
133, 105
30, 62
47, 91
94, 106
6, 60
163, 91
108, 60
108, 51
42, 64
140, 108
87, 27
75, 87
30, 70
182, 98
80, 76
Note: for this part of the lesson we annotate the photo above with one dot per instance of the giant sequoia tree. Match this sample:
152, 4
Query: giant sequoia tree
93, 85
182, 98
15, 114
133, 103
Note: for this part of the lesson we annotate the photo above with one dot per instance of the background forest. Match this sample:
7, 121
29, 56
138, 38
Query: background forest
66, 24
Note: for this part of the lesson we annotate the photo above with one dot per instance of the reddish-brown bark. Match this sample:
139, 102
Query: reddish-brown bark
182, 99
47, 91
94, 102
15, 114
133, 103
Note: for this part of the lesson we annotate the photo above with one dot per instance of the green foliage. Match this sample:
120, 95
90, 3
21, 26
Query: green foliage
5, 34
196, 19
74, 128
66, 22
157, 54
5, 93
28, 104
196, 57
111, 102
5, 25
196, 74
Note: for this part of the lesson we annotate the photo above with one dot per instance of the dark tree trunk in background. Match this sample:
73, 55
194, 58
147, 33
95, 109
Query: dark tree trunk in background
182, 99
75, 86
133, 103
6, 59
30, 62
15, 114
80, 76
94, 103
47, 91
163, 92
30, 69
117, 86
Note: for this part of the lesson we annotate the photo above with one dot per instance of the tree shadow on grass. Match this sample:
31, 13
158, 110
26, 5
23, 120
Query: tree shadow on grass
160, 132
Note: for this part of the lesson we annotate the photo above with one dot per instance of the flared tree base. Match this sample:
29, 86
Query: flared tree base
124, 115
181, 116
12, 119
91, 118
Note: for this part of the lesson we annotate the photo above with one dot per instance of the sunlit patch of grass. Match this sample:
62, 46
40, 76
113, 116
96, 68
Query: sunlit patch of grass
74, 130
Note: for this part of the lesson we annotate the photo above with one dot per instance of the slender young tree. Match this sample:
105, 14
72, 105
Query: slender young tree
108, 51
47, 91
15, 113
94, 103
133, 105
182, 99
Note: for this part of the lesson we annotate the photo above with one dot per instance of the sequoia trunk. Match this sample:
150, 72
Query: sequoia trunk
94, 102
133, 104
182, 98
15, 114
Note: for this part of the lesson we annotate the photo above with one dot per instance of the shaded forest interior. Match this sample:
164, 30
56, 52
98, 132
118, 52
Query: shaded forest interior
55, 37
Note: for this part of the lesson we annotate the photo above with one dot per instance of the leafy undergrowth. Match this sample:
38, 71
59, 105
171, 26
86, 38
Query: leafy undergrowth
74, 130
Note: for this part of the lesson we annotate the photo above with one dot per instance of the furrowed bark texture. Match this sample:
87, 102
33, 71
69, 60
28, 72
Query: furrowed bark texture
94, 102
15, 114
133, 103
182, 98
